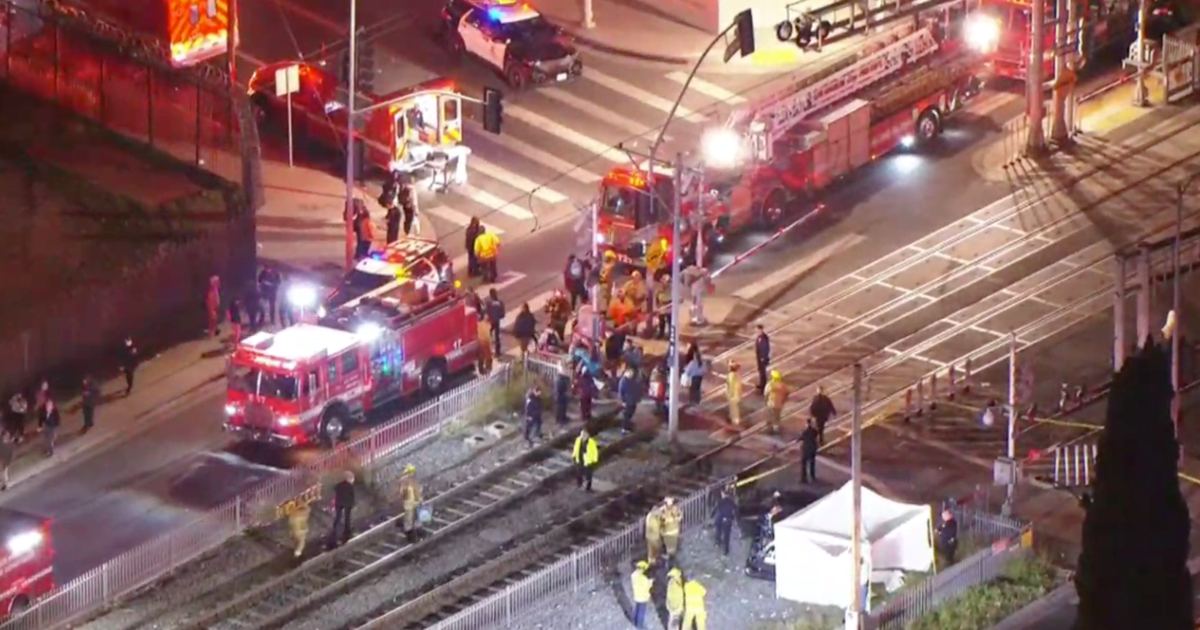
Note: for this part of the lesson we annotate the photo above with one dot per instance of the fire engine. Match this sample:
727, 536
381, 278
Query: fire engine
310, 382
1005, 26
417, 127
791, 144
26, 562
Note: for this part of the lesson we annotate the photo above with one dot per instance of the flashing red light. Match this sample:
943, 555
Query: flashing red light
1035, 455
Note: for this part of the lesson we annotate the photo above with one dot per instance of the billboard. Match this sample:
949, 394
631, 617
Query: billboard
197, 30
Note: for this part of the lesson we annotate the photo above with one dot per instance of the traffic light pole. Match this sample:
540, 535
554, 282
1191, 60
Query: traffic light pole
1034, 80
351, 81
1141, 96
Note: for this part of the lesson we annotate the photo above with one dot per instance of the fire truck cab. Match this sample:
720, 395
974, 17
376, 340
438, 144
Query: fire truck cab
410, 130
310, 382
26, 562
1106, 24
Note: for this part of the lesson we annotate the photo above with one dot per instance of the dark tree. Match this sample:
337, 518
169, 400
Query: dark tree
1133, 568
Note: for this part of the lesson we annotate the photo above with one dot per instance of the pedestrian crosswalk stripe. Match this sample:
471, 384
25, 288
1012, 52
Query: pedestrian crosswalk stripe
458, 218
599, 112
515, 210
555, 163
708, 89
638, 94
516, 181
549, 126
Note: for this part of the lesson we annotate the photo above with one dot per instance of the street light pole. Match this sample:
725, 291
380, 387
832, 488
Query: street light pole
1034, 95
855, 611
1141, 96
351, 84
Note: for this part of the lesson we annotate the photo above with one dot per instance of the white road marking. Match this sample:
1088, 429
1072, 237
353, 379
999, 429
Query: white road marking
798, 267
570, 135
516, 181
599, 112
638, 94
555, 163
485, 198
708, 89
459, 218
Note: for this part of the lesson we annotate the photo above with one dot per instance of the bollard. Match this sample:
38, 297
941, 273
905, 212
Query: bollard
908, 399
920, 397
933, 391
1063, 393
966, 386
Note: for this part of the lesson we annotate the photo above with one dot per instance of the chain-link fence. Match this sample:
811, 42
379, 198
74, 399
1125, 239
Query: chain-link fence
124, 83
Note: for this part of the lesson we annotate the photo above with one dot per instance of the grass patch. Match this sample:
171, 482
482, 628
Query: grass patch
1023, 582
819, 622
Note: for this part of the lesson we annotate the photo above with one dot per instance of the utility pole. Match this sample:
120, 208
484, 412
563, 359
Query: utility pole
231, 42
1075, 32
351, 84
676, 296
1012, 419
855, 611
1034, 95
1059, 131
1141, 97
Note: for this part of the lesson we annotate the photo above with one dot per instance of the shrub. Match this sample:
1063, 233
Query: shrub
1023, 582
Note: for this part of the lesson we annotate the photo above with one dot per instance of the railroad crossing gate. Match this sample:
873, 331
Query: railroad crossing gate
1181, 62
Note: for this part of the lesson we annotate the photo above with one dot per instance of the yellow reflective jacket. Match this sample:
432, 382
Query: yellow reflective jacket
733, 387
410, 492
653, 524
693, 596
776, 394
589, 455
672, 520
641, 584
675, 595
487, 245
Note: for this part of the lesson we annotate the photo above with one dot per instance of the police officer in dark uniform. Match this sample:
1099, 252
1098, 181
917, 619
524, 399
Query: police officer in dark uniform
724, 517
762, 356
947, 538
808, 452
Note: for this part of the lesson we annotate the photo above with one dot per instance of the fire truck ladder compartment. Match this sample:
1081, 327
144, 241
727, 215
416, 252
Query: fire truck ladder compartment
847, 18
329, 575
913, 86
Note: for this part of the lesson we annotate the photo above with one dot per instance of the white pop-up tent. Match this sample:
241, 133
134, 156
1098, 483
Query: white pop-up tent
813, 561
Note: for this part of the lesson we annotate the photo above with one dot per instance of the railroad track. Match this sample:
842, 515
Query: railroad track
835, 343
381, 548
619, 510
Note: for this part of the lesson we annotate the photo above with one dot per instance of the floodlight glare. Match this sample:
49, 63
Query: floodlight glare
722, 148
302, 296
982, 32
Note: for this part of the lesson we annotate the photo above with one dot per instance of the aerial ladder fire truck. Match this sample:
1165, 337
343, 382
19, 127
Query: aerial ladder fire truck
775, 155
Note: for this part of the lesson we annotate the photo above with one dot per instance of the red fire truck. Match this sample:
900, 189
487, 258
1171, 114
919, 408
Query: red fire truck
418, 124
310, 382
794, 143
26, 563
1005, 26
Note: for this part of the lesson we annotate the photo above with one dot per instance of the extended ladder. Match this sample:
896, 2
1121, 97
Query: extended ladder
782, 115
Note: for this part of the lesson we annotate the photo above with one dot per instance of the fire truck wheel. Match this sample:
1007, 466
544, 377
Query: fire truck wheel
774, 207
433, 379
334, 425
929, 125
20, 604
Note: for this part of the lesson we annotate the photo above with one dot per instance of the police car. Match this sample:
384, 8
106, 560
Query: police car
409, 256
513, 38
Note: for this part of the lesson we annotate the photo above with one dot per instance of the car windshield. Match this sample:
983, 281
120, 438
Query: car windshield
633, 204
533, 28
258, 382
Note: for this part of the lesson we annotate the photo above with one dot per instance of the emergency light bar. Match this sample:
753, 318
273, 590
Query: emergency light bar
25, 542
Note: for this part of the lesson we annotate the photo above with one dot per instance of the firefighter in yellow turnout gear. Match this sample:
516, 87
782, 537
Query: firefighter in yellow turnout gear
693, 604
733, 393
672, 523
607, 269
298, 525
776, 394
654, 541
675, 599
410, 499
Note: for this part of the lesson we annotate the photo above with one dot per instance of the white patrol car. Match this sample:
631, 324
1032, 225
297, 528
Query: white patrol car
514, 39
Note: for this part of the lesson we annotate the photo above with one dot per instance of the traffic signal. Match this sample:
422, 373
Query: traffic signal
364, 67
493, 109
744, 24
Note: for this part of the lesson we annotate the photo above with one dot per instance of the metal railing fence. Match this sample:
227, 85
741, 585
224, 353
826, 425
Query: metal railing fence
142, 565
573, 573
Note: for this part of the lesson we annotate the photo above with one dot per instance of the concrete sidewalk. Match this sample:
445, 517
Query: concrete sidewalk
162, 382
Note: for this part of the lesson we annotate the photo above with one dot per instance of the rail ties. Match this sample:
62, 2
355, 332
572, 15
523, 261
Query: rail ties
618, 510
329, 575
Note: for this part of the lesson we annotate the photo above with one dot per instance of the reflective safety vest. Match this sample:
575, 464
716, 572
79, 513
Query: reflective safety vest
733, 387
487, 245
672, 520
641, 584
693, 596
590, 455
675, 595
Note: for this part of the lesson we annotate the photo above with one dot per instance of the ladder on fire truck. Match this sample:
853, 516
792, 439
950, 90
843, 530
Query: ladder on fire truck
779, 112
